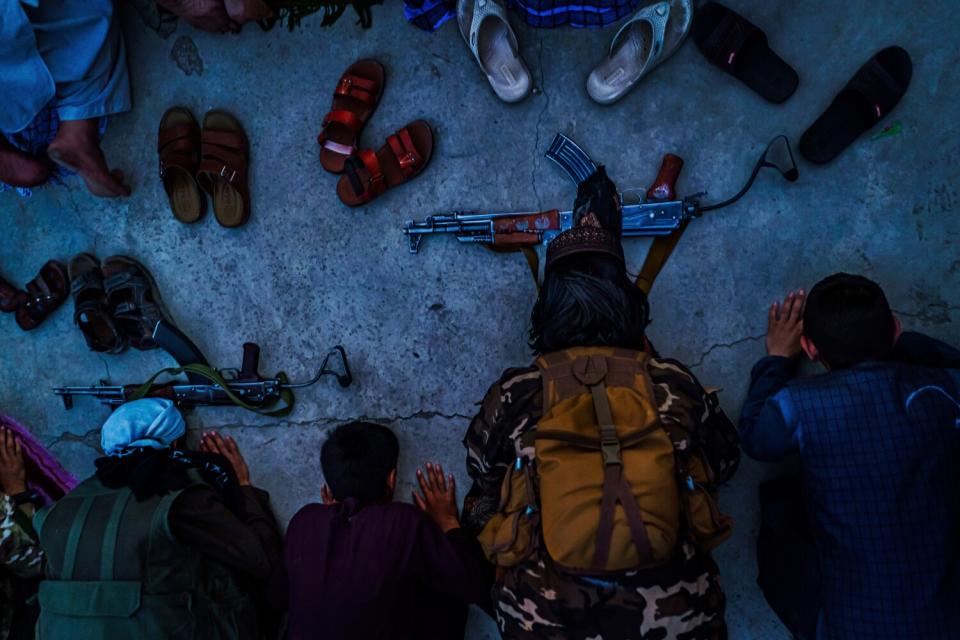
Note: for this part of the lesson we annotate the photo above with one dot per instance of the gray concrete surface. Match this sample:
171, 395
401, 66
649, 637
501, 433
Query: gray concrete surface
428, 333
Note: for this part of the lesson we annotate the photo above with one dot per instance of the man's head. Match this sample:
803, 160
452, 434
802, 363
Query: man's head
151, 423
847, 320
587, 300
359, 461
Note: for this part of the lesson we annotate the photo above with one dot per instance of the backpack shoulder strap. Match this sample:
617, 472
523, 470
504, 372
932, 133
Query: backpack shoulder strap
108, 549
615, 486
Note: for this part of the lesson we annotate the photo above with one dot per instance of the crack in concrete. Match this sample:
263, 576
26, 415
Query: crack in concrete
321, 422
933, 313
106, 366
725, 345
536, 145
89, 439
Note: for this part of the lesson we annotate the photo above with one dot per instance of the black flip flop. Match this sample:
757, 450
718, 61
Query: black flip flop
872, 93
740, 48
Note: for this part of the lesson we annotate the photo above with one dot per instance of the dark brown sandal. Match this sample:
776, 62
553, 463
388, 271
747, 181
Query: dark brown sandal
91, 311
134, 300
404, 156
354, 100
178, 143
45, 293
223, 169
10, 297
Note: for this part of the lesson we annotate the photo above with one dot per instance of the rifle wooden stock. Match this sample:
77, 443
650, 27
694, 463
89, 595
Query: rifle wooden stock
665, 186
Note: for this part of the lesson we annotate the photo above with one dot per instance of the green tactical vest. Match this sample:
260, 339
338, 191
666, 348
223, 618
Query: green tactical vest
115, 572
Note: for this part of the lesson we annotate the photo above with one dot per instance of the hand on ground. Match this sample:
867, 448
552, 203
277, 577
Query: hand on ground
438, 496
785, 325
213, 442
327, 495
13, 473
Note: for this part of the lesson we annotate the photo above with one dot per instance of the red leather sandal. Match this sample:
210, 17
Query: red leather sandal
369, 173
354, 101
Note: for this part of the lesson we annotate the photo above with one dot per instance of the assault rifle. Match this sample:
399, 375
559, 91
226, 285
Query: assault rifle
660, 214
206, 386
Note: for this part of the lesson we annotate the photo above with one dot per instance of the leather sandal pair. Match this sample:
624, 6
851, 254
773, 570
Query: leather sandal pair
215, 159
368, 173
43, 295
116, 303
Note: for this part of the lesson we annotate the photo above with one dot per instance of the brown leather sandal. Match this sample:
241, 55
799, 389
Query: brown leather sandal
404, 156
91, 309
178, 143
45, 293
10, 296
354, 100
223, 171
135, 302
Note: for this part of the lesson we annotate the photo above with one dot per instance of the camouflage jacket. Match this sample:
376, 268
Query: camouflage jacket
20, 557
682, 600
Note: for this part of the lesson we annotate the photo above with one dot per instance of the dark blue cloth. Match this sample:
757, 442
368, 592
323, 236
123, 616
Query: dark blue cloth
430, 14
879, 445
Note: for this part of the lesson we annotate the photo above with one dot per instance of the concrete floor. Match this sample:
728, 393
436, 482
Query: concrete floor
428, 333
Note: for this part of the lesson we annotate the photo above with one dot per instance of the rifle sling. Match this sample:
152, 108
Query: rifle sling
214, 376
657, 257
533, 260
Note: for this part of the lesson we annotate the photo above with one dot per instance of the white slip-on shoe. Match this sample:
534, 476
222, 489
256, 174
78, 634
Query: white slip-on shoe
645, 40
486, 30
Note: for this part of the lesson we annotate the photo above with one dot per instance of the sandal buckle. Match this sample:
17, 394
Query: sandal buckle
223, 173
344, 86
407, 160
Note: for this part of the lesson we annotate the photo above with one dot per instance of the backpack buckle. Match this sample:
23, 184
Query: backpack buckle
610, 450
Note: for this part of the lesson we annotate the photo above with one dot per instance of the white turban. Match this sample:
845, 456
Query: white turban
151, 422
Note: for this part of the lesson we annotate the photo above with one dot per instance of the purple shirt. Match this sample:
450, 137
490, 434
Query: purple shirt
382, 571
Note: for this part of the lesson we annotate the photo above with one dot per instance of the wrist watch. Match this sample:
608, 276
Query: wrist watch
26, 496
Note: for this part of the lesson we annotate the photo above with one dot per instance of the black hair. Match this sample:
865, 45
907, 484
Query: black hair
598, 194
357, 458
587, 300
848, 319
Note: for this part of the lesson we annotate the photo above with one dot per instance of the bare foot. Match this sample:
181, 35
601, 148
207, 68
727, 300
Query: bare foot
20, 170
77, 147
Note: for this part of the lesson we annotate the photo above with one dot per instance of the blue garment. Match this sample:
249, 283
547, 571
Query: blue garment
879, 445
70, 50
431, 14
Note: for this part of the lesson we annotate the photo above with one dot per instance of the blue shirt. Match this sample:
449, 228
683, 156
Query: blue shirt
879, 445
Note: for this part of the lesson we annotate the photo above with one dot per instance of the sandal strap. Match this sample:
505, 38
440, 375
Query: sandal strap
347, 119
38, 295
376, 182
222, 162
880, 89
401, 144
90, 279
125, 279
229, 139
87, 306
184, 161
728, 38
136, 311
178, 134
352, 86
650, 14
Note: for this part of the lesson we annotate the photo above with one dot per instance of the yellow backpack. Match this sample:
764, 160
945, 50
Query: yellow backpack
612, 485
